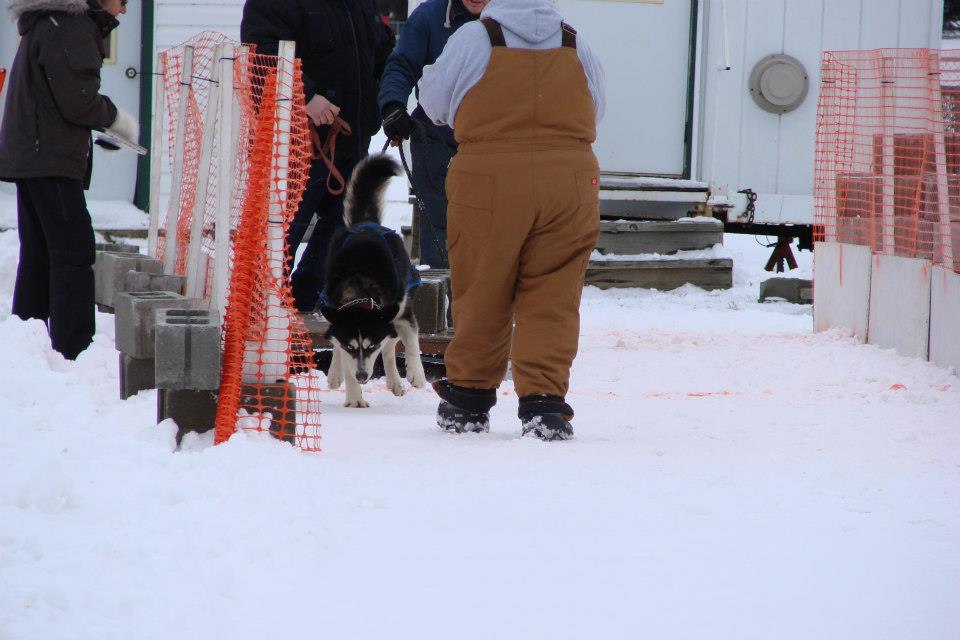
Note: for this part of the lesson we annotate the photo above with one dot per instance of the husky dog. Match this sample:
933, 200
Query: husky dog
366, 297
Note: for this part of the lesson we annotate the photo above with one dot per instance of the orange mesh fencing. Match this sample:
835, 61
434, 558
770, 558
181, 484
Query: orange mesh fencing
887, 171
266, 382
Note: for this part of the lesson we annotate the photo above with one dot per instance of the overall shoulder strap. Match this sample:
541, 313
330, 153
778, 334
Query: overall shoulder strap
495, 31
569, 36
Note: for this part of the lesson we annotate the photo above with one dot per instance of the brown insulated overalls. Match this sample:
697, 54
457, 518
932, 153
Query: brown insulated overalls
523, 217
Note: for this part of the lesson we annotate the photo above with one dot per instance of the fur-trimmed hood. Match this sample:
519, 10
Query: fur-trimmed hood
20, 7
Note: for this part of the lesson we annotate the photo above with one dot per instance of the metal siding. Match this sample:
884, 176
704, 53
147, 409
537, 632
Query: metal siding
802, 39
722, 111
760, 130
880, 24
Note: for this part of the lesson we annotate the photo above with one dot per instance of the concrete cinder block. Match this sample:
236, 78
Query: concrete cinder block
136, 375
187, 348
795, 290
445, 310
276, 401
429, 306
191, 410
117, 247
142, 281
110, 271
135, 318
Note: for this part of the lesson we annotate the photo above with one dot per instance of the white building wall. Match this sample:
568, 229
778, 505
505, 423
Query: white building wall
743, 146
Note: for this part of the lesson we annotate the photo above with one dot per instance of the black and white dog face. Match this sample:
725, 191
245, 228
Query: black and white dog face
361, 344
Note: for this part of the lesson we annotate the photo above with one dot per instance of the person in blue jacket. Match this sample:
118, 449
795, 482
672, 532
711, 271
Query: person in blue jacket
421, 41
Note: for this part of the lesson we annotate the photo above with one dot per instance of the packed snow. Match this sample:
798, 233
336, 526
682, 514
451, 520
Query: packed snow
733, 475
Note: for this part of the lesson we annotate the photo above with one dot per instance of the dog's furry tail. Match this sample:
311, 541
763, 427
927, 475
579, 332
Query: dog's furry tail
364, 199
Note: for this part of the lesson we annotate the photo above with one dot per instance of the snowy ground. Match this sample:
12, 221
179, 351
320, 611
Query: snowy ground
734, 476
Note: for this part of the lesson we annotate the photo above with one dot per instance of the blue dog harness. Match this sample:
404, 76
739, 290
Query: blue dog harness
409, 280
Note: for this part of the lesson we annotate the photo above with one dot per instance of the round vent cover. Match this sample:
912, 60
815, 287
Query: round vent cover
779, 83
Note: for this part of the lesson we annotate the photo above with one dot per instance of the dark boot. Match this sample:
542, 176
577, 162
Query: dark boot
462, 409
546, 417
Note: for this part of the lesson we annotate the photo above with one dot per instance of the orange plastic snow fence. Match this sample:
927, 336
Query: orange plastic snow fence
265, 383
887, 171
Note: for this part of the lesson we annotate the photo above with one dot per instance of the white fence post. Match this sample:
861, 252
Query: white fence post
156, 152
272, 352
229, 130
173, 208
196, 267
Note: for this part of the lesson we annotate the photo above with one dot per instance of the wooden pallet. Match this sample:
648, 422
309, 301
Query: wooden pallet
708, 273
633, 237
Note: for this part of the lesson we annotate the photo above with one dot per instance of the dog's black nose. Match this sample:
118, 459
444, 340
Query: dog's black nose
362, 376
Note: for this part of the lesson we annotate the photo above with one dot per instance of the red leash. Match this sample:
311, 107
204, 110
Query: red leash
327, 150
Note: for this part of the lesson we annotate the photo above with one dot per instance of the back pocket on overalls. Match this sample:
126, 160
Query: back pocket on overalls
469, 208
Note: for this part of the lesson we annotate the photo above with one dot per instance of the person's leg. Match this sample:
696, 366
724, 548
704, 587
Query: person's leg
489, 215
31, 295
312, 195
62, 210
549, 286
430, 157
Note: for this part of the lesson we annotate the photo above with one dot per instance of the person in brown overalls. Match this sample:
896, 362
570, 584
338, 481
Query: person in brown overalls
524, 210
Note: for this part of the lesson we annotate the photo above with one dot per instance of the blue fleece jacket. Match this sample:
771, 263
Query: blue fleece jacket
421, 42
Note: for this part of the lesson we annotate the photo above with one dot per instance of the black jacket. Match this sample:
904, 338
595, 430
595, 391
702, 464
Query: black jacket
343, 46
53, 98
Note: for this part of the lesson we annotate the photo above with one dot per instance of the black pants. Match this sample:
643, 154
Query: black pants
55, 272
430, 156
307, 280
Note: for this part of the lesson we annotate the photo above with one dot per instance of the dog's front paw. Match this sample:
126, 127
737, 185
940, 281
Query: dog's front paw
334, 379
356, 404
416, 376
396, 387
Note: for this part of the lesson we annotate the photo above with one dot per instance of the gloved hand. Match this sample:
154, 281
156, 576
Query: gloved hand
397, 123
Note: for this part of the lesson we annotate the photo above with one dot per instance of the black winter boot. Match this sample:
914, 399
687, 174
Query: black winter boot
546, 417
462, 409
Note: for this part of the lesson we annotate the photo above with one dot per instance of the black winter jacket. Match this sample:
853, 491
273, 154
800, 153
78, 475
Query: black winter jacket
343, 46
53, 97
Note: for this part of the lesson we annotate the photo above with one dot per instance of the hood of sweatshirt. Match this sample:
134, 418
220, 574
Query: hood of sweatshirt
531, 20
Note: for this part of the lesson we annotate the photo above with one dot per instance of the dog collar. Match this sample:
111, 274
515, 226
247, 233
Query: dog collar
367, 304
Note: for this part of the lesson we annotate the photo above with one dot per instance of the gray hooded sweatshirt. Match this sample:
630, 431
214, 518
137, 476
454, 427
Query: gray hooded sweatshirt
527, 24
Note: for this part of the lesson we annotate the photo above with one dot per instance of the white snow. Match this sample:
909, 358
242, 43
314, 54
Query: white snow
733, 476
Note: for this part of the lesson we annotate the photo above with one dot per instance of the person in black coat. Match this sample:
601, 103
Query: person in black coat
53, 103
343, 46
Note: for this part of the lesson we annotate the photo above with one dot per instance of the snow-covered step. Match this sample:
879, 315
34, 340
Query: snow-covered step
657, 273
647, 236
651, 198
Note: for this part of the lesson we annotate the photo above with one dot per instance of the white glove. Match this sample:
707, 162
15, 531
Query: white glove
124, 126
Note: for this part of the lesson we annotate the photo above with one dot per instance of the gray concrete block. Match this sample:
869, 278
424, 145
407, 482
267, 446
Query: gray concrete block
117, 247
136, 375
187, 348
143, 281
110, 271
796, 290
429, 305
276, 401
191, 410
447, 310
135, 318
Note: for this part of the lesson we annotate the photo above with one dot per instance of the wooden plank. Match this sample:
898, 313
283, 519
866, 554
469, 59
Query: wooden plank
710, 273
627, 238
